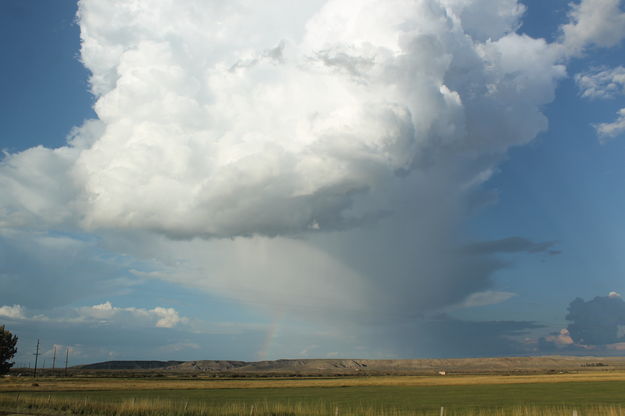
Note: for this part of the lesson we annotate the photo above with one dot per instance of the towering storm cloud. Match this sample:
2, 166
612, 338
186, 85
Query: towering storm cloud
311, 156
225, 121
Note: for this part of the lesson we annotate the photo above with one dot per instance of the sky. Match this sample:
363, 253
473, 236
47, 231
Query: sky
318, 179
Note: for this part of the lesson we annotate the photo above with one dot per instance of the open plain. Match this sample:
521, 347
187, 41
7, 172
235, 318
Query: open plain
591, 390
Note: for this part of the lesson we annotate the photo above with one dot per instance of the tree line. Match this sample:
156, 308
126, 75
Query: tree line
8, 348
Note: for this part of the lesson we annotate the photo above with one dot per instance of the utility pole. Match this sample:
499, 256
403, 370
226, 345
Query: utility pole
53, 359
66, 359
36, 354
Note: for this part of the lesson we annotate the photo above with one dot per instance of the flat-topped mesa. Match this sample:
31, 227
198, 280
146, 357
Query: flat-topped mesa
373, 367
130, 365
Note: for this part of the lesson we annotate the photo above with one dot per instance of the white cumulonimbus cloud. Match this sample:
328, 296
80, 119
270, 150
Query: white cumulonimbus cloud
210, 125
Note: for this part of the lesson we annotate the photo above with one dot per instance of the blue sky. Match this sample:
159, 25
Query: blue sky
41, 43
208, 189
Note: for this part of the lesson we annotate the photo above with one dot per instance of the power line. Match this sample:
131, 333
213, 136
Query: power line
66, 359
36, 354
53, 359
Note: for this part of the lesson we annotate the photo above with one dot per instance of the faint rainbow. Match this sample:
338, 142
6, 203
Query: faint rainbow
270, 336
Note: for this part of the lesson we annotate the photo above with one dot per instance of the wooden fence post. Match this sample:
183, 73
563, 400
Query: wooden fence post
442, 411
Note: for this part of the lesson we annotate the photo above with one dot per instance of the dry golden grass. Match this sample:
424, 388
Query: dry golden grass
481, 396
155, 407
81, 384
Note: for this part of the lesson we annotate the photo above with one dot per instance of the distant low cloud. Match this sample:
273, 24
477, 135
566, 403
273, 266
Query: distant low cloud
596, 327
605, 83
510, 245
598, 321
101, 314
599, 23
12, 312
602, 82
164, 317
561, 338
607, 131
489, 297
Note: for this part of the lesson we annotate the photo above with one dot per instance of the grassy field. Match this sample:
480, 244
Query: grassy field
596, 394
174, 383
